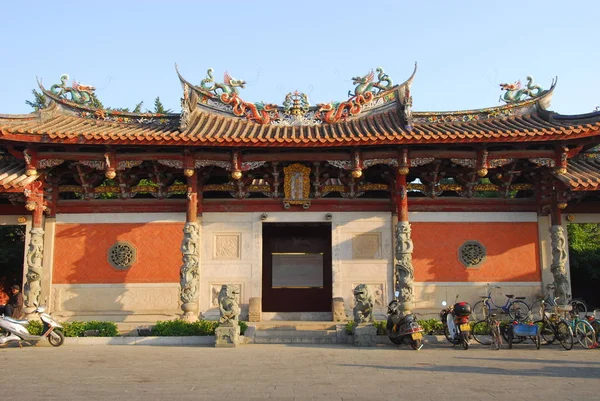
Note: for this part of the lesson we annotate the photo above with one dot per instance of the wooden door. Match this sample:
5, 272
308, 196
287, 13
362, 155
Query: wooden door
296, 267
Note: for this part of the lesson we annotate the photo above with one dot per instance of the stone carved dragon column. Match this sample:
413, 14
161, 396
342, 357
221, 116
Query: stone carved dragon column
190, 246
558, 244
403, 270
35, 250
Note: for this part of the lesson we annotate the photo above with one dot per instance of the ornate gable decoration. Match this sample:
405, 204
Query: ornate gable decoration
78, 93
515, 93
370, 91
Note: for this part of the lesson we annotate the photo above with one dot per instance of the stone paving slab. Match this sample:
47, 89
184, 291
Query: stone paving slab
299, 372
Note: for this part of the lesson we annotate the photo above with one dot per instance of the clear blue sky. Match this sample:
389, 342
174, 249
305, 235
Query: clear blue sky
464, 49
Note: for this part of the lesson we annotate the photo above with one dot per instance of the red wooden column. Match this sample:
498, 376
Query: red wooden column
35, 203
190, 249
558, 243
403, 270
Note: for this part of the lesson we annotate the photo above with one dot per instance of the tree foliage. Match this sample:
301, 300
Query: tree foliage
159, 108
584, 249
39, 100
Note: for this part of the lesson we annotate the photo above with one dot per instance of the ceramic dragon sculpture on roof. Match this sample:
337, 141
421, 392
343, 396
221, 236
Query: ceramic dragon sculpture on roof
515, 93
365, 91
80, 94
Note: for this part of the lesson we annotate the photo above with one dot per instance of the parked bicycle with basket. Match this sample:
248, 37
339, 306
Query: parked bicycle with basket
537, 308
487, 331
514, 307
554, 327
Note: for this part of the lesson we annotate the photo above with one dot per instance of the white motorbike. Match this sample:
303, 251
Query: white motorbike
16, 330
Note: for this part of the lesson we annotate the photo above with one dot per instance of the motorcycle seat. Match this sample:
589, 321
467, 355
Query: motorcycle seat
17, 321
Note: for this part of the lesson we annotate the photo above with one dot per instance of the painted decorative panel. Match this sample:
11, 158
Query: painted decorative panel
366, 246
227, 246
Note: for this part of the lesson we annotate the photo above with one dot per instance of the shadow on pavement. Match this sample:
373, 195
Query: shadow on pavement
541, 360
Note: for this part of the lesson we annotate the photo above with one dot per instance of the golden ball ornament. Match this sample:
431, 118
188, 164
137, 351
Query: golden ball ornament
357, 173
188, 172
30, 171
403, 170
562, 205
482, 172
30, 206
110, 174
236, 175
561, 170
21, 219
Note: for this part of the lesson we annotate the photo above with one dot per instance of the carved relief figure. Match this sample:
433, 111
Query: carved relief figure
363, 304
228, 306
190, 268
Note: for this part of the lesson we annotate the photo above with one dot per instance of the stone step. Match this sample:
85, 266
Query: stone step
294, 325
287, 336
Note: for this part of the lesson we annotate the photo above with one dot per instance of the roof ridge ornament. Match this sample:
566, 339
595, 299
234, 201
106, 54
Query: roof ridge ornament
515, 93
80, 94
229, 85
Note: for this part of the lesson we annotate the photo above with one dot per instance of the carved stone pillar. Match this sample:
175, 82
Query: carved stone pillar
35, 250
403, 270
558, 243
190, 246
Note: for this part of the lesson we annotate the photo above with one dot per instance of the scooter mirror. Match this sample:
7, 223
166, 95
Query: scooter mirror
396, 293
444, 303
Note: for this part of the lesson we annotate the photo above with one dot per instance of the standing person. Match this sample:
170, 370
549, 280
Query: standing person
14, 307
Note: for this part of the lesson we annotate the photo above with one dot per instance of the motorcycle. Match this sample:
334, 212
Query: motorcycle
456, 323
403, 329
16, 330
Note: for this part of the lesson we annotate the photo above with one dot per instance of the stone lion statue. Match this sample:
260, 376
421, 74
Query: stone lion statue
228, 306
363, 304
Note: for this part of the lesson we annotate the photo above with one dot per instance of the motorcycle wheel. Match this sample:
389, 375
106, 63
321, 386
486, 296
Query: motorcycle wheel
56, 338
416, 344
396, 340
465, 341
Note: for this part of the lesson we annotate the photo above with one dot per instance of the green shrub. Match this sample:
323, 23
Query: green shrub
77, 329
349, 327
432, 326
171, 328
35, 328
243, 327
381, 327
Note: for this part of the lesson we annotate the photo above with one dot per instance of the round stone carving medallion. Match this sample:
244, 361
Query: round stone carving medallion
122, 255
471, 254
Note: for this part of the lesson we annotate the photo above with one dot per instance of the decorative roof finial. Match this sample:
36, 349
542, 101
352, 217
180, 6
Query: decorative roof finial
514, 92
80, 94
228, 87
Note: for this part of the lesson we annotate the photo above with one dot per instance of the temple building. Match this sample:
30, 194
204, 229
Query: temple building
141, 217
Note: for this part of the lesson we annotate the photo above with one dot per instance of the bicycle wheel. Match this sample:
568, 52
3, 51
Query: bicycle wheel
596, 325
518, 311
585, 334
482, 333
546, 332
504, 331
478, 312
579, 307
564, 335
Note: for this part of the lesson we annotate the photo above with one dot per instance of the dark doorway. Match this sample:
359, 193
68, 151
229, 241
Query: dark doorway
296, 267
12, 248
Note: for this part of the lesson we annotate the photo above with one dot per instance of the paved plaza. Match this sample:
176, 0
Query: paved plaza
299, 372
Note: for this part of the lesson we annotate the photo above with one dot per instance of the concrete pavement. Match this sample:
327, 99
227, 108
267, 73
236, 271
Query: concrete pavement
299, 372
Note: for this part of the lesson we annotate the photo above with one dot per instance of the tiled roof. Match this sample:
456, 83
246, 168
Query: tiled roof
13, 177
583, 172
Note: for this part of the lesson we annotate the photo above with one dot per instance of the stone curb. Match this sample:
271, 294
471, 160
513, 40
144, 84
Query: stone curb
195, 340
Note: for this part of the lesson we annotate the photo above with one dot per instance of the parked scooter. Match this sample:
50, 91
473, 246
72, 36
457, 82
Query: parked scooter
403, 329
16, 330
456, 323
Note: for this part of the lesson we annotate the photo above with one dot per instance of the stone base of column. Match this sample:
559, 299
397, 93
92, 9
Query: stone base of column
227, 336
190, 313
254, 309
365, 335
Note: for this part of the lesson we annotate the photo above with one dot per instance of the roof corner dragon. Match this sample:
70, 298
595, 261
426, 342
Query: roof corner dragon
227, 91
80, 94
515, 93
365, 91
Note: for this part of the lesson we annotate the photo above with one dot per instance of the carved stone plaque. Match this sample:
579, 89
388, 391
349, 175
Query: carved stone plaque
227, 246
366, 246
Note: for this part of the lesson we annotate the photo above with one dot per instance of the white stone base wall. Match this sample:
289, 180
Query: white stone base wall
119, 302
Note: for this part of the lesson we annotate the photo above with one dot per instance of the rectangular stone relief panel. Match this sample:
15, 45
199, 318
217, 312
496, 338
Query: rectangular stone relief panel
227, 246
366, 246
377, 291
214, 294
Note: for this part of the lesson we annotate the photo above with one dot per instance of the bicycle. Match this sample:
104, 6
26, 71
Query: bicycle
487, 332
537, 311
584, 332
554, 327
514, 307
